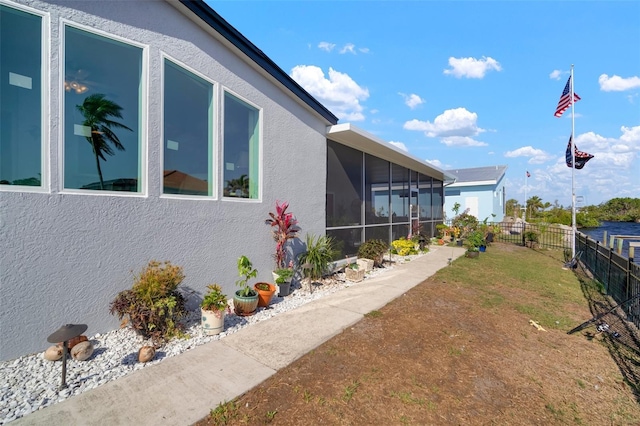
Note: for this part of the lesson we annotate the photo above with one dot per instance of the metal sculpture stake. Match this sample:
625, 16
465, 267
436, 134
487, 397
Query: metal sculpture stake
64, 334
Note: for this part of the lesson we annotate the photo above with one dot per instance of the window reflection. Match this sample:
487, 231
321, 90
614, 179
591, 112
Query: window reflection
400, 194
241, 148
102, 113
187, 132
21, 100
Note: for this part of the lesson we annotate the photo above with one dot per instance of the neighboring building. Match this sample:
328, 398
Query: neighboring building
210, 133
481, 190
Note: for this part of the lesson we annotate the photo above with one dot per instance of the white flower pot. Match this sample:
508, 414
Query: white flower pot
212, 322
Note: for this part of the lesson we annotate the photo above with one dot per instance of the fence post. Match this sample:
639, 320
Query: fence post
608, 269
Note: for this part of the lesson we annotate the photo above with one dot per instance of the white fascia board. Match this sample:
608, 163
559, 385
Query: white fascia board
354, 137
475, 183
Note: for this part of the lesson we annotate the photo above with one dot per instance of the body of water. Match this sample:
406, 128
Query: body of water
616, 228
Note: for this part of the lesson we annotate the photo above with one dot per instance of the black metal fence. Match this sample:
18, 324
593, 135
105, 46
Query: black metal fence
539, 235
619, 275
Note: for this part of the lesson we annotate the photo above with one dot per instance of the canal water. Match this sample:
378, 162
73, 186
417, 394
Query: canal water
616, 228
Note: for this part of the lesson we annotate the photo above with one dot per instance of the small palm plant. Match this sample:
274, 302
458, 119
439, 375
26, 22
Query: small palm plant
315, 260
98, 113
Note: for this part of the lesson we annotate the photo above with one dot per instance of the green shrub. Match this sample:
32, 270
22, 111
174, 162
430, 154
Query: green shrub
315, 260
153, 306
373, 249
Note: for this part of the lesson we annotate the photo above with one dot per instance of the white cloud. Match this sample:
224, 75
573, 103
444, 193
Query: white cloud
461, 141
617, 84
436, 163
399, 145
326, 46
536, 156
412, 100
556, 74
452, 122
471, 67
348, 48
338, 92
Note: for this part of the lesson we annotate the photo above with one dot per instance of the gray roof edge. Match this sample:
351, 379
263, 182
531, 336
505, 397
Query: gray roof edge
226, 30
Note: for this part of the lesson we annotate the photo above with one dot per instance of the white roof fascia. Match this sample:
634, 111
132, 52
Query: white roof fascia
354, 137
474, 183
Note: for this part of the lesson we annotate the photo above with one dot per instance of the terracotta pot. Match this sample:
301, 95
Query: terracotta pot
265, 296
212, 321
245, 305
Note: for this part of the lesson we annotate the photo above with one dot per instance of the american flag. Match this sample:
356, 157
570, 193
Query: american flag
581, 157
565, 100
528, 174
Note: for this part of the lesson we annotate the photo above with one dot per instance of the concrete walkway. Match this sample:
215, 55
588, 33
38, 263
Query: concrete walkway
183, 389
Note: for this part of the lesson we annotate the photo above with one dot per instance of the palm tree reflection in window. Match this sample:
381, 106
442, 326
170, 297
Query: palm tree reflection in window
237, 187
98, 112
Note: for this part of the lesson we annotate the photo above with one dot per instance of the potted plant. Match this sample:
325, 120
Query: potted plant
531, 239
245, 300
153, 307
284, 227
315, 260
373, 249
283, 277
354, 273
213, 307
473, 242
265, 293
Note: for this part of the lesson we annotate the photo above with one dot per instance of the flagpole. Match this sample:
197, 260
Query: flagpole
573, 169
526, 183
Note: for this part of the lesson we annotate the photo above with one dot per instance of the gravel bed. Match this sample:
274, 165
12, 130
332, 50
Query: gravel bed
30, 383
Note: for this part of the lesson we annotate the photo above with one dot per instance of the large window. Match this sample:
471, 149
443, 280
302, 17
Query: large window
344, 185
188, 132
20, 98
102, 113
241, 148
424, 197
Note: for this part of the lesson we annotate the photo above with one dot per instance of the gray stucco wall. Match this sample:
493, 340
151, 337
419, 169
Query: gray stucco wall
63, 256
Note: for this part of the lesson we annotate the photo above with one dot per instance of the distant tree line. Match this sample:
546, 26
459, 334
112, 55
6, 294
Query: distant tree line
615, 210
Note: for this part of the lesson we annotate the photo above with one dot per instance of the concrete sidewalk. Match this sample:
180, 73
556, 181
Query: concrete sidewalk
183, 389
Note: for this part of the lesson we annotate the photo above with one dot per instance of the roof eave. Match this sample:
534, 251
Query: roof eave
354, 137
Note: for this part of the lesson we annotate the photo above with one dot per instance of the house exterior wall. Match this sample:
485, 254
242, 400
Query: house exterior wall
64, 256
483, 201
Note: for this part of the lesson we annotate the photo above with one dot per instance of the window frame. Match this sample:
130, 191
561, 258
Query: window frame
143, 109
225, 90
45, 108
213, 133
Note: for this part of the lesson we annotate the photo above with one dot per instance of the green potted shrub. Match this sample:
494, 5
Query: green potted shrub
531, 239
213, 308
283, 277
354, 273
315, 259
474, 240
153, 307
245, 300
373, 249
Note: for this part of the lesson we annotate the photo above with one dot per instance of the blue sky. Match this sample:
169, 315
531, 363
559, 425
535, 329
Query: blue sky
472, 84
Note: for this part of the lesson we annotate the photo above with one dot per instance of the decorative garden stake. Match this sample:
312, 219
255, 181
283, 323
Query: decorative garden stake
64, 334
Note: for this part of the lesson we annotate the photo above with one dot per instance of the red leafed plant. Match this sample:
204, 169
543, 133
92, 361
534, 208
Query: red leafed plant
284, 227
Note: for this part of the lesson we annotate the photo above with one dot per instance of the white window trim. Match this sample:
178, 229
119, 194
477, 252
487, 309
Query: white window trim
214, 134
45, 108
260, 147
144, 113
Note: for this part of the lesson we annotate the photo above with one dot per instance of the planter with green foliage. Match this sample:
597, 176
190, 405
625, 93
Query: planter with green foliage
282, 278
153, 307
213, 308
315, 260
245, 300
373, 249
